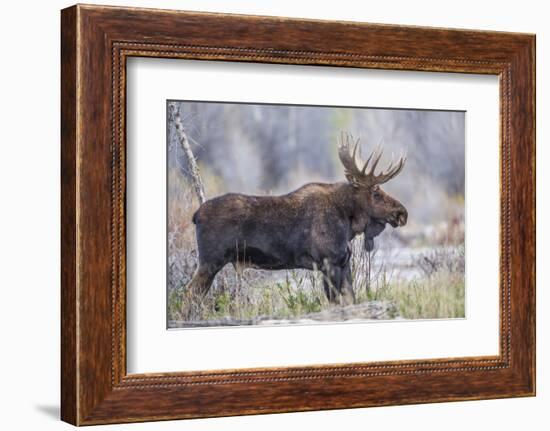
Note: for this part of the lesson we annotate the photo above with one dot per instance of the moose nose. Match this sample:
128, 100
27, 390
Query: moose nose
402, 216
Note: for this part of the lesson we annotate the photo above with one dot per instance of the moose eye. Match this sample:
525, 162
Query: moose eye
377, 195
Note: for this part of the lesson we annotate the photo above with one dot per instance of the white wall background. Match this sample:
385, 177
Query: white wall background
29, 215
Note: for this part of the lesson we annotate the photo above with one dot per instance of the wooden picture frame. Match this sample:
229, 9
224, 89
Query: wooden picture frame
95, 43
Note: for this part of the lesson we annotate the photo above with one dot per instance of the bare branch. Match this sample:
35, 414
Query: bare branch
191, 160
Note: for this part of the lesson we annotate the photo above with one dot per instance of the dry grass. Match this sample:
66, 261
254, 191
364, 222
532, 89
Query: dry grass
251, 293
436, 288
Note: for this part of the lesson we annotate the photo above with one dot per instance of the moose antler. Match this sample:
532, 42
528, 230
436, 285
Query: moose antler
360, 177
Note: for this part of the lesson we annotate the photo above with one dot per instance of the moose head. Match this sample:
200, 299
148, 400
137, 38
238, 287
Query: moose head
374, 207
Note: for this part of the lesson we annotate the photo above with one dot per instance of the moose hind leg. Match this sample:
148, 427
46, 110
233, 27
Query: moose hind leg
202, 280
192, 305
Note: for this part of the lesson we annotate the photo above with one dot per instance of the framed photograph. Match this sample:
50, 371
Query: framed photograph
265, 214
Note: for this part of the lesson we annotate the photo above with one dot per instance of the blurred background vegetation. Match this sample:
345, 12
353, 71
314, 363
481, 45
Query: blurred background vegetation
416, 271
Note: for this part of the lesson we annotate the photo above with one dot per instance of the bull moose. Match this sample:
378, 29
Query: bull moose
309, 228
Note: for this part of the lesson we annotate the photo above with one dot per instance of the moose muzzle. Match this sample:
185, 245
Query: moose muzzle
398, 217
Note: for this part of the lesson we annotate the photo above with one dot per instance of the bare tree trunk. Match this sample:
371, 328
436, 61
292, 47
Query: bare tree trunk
191, 161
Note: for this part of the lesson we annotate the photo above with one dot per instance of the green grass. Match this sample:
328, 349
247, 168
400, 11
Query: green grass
440, 296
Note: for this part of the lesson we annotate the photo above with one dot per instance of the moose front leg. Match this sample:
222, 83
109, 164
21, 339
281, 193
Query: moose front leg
338, 286
331, 282
346, 285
